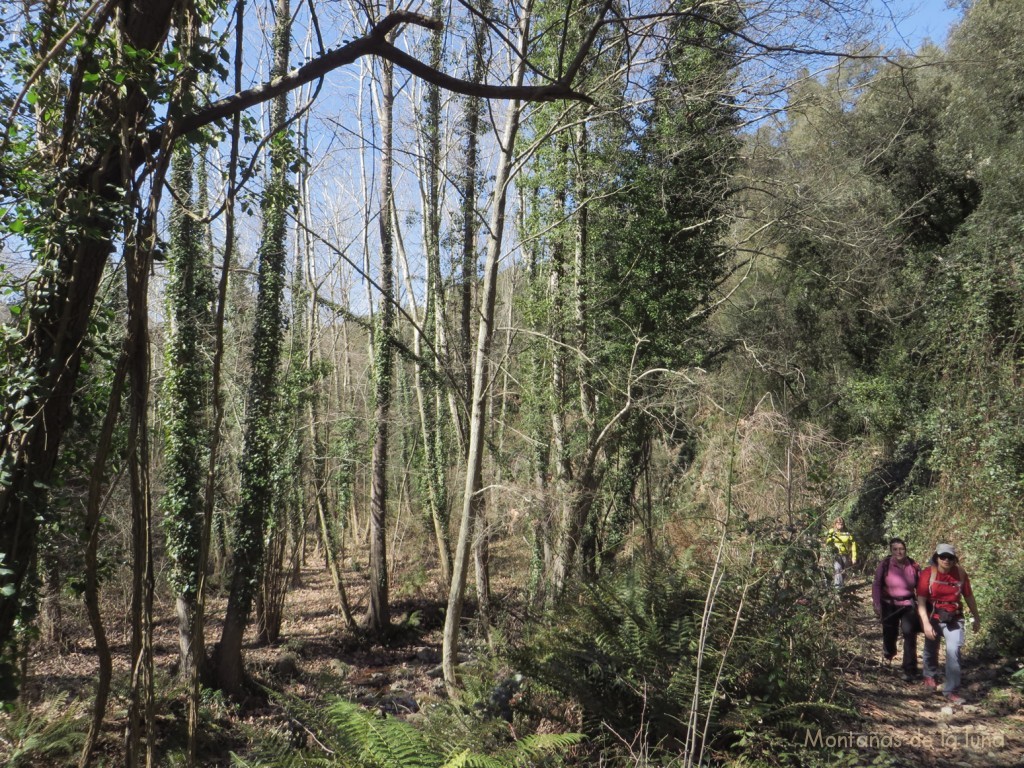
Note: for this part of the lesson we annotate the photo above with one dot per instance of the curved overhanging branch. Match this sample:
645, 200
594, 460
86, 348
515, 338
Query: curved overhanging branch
375, 43
553, 91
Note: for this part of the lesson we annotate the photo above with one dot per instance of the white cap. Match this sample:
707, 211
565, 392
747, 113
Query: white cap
945, 549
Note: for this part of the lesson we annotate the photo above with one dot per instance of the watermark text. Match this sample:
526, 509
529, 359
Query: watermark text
962, 739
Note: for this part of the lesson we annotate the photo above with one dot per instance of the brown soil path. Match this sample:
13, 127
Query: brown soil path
914, 726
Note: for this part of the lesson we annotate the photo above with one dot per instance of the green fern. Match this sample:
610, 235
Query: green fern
349, 736
380, 742
469, 759
41, 736
530, 749
624, 650
387, 742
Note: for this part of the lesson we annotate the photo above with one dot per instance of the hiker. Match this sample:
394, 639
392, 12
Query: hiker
939, 589
893, 595
845, 547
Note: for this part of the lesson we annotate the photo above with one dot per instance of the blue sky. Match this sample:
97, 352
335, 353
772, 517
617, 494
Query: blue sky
920, 20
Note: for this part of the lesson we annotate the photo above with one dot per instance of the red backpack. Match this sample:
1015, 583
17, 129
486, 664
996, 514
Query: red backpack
945, 614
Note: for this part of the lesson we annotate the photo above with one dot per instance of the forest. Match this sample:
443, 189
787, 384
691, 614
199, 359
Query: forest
459, 384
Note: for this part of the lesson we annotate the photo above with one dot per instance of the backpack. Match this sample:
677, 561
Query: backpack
943, 614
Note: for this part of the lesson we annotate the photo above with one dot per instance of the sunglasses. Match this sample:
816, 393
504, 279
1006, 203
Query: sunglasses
947, 557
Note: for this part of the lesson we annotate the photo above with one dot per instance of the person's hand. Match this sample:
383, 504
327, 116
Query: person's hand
975, 623
929, 631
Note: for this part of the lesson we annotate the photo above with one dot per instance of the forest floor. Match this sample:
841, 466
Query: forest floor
897, 724
909, 724
316, 659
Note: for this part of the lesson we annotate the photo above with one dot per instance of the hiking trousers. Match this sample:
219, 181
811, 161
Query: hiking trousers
897, 620
839, 566
953, 634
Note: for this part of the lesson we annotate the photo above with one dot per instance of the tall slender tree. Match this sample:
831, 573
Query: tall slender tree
378, 615
430, 385
258, 467
472, 497
186, 403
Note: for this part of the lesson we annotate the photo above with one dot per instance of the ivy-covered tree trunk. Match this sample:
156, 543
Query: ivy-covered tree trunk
258, 460
429, 384
84, 181
378, 616
468, 189
473, 108
285, 524
186, 407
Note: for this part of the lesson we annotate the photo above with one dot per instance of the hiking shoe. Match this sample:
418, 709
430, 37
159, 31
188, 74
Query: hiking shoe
929, 682
888, 658
952, 698
909, 676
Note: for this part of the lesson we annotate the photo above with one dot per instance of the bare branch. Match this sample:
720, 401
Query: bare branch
374, 43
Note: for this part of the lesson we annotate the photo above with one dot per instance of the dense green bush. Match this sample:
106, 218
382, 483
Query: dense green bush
686, 656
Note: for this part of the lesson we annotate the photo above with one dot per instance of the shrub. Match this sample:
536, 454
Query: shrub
692, 656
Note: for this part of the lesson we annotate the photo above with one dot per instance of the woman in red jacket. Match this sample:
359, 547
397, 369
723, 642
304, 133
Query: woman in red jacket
939, 590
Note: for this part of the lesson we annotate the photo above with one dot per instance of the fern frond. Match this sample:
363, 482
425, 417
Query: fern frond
380, 742
351, 727
542, 744
35, 737
469, 759
461, 760
395, 744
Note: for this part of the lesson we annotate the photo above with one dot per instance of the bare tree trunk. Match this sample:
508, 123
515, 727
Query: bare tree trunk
140, 710
482, 569
276, 578
90, 593
51, 628
472, 496
333, 552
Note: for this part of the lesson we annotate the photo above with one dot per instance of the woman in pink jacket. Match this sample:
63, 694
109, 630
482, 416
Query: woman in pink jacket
894, 597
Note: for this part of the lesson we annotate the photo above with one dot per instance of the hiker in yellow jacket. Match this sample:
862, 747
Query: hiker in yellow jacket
845, 550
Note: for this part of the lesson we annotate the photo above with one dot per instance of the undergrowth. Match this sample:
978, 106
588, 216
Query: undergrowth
677, 660
45, 735
346, 735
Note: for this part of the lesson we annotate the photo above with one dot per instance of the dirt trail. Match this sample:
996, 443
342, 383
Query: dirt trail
913, 725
